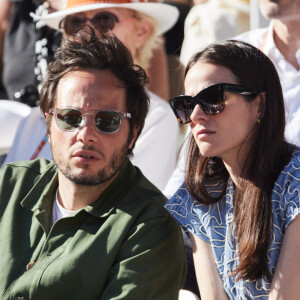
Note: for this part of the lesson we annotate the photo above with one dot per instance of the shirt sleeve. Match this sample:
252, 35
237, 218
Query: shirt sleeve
286, 196
151, 263
187, 212
290, 192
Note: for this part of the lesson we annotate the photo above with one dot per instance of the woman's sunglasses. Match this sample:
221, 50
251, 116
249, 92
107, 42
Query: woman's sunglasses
211, 100
106, 121
104, 21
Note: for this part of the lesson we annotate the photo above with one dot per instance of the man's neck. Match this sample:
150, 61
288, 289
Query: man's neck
72, 196
287, 39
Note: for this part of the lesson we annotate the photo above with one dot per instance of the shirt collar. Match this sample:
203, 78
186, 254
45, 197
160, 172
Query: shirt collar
269, 44
115, 192
43, 190
41, 196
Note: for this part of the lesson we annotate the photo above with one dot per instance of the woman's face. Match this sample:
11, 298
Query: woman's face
221, 134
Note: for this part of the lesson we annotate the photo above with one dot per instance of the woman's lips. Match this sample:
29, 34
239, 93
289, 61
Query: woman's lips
203, 133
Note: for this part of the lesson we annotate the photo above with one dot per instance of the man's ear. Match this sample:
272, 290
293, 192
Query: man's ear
144, 30
134, 136
47, 121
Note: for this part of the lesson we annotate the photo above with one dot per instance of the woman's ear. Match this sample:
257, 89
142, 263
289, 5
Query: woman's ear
262, 104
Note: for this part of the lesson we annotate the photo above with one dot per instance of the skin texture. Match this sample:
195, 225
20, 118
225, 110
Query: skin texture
87, 159
208, 277
285, 283
280, 9
219, 135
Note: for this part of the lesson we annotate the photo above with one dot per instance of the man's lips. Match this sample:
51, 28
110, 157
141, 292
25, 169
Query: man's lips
87, 154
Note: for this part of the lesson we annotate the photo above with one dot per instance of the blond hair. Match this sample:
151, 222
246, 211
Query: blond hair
145, 52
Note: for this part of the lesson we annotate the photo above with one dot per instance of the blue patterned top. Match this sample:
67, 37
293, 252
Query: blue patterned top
214, 224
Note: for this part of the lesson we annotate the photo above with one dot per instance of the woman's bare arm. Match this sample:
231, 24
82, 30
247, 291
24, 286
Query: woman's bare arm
208, 278
285, 283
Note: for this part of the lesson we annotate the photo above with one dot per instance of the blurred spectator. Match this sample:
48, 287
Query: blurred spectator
213, 21
24, 51
11, 112
25, 48
173, 42
280, 41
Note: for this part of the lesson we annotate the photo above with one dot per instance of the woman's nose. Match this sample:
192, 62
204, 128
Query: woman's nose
198, 114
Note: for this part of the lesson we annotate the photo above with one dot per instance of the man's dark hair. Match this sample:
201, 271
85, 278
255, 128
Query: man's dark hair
91, 49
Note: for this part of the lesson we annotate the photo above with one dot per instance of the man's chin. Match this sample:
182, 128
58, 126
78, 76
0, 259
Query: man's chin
86, 180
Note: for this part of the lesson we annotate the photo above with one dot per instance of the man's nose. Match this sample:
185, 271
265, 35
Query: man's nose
87, 131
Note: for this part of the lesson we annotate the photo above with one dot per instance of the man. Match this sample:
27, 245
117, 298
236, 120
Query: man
281, 42
137, 25
88, 225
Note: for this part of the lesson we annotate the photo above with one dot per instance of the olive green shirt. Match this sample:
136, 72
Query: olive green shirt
123, 246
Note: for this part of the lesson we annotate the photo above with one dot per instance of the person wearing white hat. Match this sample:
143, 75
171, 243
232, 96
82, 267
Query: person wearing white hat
144, 20
137, 24
211, 21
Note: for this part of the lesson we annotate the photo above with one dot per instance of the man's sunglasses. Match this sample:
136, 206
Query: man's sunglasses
211, 100
106, 121
104, 21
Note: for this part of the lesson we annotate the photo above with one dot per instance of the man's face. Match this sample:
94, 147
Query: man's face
126, 30
86, 156
280, 9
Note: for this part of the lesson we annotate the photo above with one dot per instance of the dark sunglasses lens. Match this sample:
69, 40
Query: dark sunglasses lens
68, 119
105, 21
108, 121
72, 24
210, 100
183, 108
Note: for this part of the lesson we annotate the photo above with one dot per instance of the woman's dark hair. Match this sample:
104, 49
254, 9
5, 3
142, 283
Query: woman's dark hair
91, 49
266, 158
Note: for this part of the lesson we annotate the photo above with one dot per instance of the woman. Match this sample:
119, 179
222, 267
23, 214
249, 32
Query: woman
240, 199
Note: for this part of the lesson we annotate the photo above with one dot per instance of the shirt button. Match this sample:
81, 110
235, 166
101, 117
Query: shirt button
29, 266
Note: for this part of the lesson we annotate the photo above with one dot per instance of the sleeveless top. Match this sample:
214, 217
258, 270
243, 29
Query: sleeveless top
215, 225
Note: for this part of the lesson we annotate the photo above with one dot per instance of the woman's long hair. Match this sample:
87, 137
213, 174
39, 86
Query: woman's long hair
266, 158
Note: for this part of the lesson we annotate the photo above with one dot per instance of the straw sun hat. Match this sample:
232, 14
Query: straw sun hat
166, 15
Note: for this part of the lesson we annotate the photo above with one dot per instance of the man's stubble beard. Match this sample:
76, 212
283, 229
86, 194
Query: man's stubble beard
105, 174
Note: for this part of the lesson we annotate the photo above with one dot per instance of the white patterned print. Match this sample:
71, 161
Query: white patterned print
214, 224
